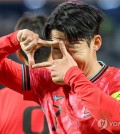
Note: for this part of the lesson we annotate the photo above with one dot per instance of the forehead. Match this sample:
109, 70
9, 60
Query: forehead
55, 34
58, 35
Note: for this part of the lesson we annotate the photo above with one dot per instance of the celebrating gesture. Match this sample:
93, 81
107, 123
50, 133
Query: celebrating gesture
30, 42
74, 88
59, 67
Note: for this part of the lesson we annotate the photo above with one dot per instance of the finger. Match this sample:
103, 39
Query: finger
47, 43
23, 36
43, 64
53, 74
32, 46
19, 35
31, 60
63, 48
56, 80
36, 48
27, 40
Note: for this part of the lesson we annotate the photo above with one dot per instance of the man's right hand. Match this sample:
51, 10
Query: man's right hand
30, 42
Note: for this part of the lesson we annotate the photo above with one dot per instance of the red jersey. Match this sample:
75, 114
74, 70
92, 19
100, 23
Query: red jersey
81, 106
18, 116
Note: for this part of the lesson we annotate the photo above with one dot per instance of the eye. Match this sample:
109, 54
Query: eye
56, 48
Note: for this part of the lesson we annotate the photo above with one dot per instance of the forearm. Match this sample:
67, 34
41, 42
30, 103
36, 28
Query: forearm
10, 71
99, 104
8, 44
11, 74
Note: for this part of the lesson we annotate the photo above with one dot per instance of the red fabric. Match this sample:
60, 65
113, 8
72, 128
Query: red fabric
9, 43
76, 107
18, 116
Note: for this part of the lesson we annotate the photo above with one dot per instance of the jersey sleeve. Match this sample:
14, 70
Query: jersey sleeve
29, 82
41, 82
8, 44
10, 71
12, 74
99, 104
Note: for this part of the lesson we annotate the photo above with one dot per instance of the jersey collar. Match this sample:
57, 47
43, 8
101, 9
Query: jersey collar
100, 72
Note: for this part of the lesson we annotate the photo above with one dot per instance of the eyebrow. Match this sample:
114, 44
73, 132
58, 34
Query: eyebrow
59, 38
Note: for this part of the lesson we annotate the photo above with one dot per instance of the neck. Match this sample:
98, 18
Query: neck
94, 69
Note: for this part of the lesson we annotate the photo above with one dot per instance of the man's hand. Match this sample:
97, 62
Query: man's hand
30, 42
59, 67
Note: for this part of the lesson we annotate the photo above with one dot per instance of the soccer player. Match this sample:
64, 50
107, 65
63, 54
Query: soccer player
79, 94
18, 116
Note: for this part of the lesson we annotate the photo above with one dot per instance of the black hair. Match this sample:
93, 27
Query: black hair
34, 23
76, 19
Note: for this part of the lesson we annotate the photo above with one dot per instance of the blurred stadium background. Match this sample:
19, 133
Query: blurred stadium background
12, 10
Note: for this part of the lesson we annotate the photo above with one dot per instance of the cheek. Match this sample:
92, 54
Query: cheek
81, 59
78, 59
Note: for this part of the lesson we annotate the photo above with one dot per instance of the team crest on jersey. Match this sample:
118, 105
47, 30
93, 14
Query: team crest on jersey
116, 95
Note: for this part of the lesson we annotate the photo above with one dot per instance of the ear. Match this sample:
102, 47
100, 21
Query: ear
97, 42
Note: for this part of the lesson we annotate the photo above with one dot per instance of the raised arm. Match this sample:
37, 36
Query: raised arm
10, 71
14, 75
100, 105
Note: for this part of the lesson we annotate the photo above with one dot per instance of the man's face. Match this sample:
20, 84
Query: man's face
80, 51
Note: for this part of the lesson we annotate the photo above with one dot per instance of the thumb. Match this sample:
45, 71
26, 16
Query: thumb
31, 60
